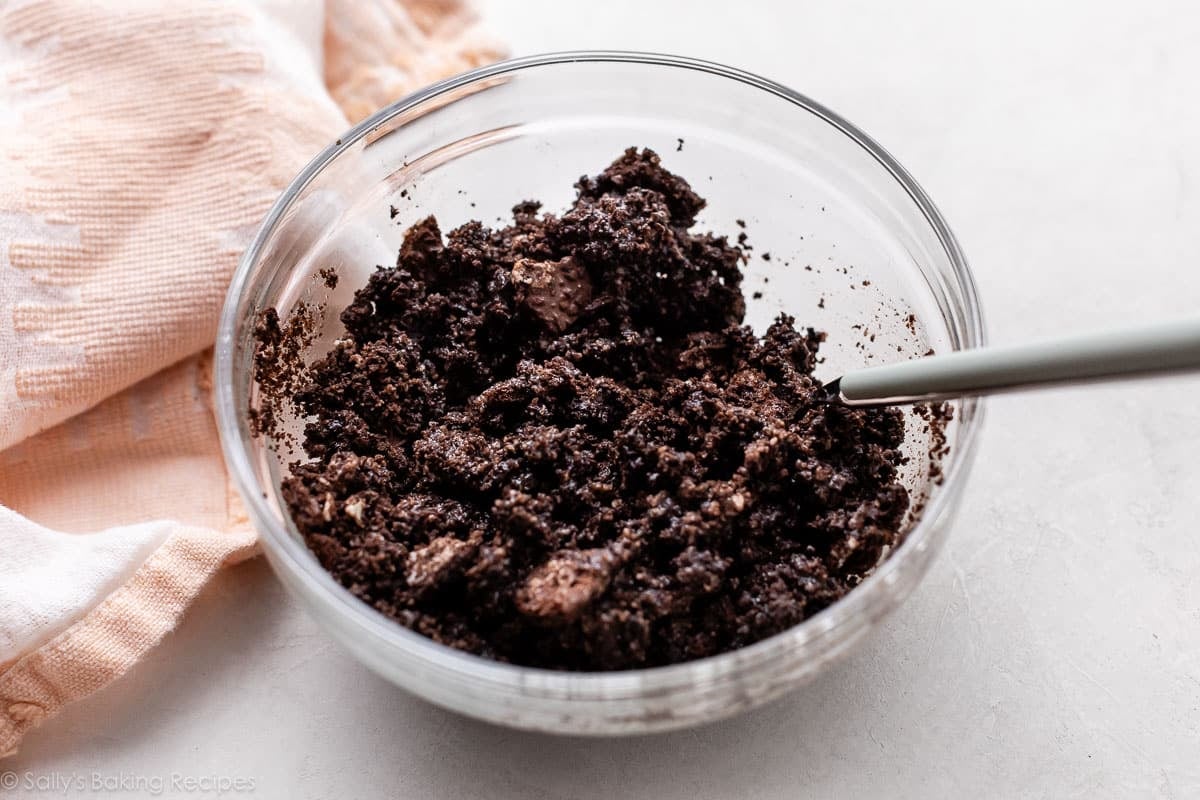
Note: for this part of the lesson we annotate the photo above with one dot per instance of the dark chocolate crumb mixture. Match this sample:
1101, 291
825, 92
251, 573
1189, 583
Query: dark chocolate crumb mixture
556, 444
279, 363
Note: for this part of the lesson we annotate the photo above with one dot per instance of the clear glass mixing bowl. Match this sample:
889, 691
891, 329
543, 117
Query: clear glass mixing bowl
854, 246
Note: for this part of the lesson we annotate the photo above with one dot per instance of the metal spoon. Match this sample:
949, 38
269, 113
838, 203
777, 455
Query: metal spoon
1136, 352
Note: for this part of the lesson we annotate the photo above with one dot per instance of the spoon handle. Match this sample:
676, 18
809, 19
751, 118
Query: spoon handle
1149, 350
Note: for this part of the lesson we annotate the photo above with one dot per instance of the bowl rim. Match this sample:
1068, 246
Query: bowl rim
867, 600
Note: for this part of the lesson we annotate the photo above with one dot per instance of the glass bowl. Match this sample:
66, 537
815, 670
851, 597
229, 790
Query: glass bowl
855, 249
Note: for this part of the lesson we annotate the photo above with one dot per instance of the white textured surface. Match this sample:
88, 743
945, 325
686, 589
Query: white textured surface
1054, 650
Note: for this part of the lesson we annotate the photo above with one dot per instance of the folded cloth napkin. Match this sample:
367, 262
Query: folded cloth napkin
140, 144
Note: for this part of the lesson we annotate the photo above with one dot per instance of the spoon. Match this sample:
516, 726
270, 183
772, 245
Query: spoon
1134, 352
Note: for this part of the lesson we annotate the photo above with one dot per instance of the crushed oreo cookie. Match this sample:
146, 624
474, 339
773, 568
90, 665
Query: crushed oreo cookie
556, 443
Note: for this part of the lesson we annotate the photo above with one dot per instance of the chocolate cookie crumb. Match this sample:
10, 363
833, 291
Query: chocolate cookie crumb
557, 444
554, 291
937, 417
279, 368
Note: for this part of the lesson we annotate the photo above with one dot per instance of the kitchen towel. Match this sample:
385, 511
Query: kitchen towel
140, 145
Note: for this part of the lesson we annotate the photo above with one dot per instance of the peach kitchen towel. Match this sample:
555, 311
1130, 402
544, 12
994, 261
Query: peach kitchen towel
140, 144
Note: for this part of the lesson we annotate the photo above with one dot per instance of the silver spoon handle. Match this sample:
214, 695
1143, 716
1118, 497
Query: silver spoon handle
1153, 349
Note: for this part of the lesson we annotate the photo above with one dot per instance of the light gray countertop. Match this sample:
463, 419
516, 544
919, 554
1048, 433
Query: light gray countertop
1053, 650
